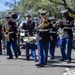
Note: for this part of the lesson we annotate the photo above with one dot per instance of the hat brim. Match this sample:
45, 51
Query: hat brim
7, 17
28, 16
43, 13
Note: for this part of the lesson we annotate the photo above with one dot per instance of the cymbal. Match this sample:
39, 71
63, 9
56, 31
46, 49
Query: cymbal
29, 39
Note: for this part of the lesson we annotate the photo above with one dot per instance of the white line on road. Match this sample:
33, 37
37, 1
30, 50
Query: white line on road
69, 72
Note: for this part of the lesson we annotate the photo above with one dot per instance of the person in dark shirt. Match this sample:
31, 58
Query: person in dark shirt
28, 27
43, 43
10, 29
53, 37
67, 36
1, 35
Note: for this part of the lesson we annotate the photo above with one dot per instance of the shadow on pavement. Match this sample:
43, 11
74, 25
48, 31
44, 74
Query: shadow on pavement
56, 63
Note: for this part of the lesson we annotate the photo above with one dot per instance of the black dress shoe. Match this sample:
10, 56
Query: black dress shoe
27, 59
52, 58
16, 56
0, 53
10, 58
62, 59
40, 65
37, 64
19, 54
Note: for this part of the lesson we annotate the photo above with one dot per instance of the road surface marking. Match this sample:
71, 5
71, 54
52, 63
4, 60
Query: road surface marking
69, 72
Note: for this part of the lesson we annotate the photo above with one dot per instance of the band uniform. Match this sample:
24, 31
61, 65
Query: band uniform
28, 25
10, 30
43, 44
67, 36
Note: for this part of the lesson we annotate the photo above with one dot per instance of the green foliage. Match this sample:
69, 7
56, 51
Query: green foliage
2, 18
34, 6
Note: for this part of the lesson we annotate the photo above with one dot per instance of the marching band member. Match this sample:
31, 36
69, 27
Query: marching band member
43, 43
10, 29
53, 37
28, 27
1, 34
67, 36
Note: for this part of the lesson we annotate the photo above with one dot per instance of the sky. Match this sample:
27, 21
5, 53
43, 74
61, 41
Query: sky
2, 6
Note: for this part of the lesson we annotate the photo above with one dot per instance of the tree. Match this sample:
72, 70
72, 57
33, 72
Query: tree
68, 4
37, 5
52, 6
2, 18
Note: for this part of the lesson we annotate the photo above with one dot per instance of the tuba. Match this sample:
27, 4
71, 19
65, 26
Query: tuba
15, 15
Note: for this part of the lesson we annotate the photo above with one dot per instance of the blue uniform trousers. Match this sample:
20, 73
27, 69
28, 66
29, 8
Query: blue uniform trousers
43, 51
14, 47
63, 43
0, 47
52, 48
33, 51
18, 49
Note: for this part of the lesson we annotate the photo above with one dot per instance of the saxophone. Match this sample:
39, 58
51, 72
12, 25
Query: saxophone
7, 33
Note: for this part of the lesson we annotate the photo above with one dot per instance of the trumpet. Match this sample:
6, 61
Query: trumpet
59, 24
45, 23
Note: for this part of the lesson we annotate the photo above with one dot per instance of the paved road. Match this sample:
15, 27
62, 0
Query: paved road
22, 67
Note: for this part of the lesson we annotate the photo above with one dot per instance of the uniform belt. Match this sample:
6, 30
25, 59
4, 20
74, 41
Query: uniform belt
43, 30
52, 32
11, 32
67, 28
